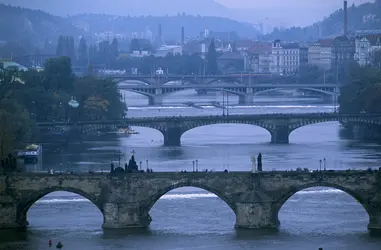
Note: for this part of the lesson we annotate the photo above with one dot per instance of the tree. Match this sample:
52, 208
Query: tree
363, 92
114, 48
211, 59
83, 52
58, 74
60, 46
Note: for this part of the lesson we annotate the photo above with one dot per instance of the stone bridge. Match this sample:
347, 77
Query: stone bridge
126, 199
160, 80
280, 126
245, 93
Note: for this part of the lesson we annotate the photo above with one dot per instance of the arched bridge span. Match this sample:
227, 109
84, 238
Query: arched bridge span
126, 198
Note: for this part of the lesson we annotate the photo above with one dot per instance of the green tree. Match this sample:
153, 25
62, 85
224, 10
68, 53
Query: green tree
82, 52
211, 59
58, 74
363, 92
60, 47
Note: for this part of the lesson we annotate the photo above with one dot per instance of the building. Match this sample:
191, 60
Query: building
284, 58
343, 50
365, 47
165, 50
258, 57
362, 51
320, 54
231, 62
303, 55
6, 64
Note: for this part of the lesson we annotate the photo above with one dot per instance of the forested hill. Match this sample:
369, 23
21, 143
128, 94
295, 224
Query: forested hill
171, 25
35, 26
332, 26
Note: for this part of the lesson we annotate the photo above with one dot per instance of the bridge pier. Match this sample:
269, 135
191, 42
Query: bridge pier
155, 100
280, 135
374, 211
124, 215
246, 99
172, 137
255, 215
9, 216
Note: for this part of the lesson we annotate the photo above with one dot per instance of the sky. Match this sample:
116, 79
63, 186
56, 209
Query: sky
283, 3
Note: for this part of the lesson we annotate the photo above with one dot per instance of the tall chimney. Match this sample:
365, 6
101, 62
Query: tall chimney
345, 18
182, 36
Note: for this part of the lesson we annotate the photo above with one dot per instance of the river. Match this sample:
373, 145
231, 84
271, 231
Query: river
189, 218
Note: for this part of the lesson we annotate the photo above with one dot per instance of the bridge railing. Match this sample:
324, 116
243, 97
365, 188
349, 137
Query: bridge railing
214, 117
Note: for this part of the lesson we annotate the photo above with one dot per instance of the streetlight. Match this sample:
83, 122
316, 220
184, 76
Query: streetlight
324, 163
196, 165
147, 164
140, 165
193, 165
320, 161
60, 168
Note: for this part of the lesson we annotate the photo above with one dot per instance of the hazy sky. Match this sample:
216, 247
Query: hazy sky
280, 3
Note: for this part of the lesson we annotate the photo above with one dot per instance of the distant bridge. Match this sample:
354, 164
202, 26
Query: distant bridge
245, 92
280, 126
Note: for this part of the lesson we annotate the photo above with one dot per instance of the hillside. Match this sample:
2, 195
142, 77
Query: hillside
171, 25
332, 26
34, 26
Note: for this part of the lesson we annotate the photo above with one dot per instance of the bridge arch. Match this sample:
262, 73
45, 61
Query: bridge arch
31, 199
320, 91
189, 127
164, 190
291, 192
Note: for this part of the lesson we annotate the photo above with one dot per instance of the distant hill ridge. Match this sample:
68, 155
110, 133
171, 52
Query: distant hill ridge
366, 16
37, 26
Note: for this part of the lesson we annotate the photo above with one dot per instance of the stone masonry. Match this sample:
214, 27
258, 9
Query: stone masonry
125, 200
279, 126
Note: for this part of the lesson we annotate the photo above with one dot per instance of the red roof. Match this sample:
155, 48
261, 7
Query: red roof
260, 47
326, 42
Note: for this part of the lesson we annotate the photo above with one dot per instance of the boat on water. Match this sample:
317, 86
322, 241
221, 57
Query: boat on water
32, 154
127, 131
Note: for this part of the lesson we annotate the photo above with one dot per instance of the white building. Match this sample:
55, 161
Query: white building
362, 51
284, 58
165, 50
320, 54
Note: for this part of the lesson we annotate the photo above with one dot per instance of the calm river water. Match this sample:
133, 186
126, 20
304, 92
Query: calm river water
190, 218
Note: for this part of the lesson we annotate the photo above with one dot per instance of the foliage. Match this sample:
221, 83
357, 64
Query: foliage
16, 126
331, 26
44, 96
58, 74
363, 93
18, 24
211, 59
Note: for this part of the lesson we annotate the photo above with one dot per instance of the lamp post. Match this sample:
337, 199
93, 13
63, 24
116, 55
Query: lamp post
320, 161
196, 165
140, 165
324, 160
147, 164
193, 165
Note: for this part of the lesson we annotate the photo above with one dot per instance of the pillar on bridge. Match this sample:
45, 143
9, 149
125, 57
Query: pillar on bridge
256, 215
155, 100
374, 211
280, 135
172, 136
9, 216
246, 99
124, 215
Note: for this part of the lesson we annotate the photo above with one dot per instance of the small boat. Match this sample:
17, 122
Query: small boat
127, 131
